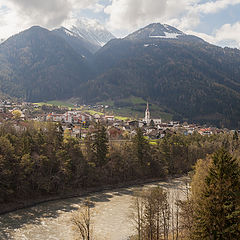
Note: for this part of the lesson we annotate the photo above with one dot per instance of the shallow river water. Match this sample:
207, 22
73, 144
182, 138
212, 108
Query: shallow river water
52, 220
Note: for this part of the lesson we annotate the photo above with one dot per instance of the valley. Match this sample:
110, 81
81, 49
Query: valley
184, 77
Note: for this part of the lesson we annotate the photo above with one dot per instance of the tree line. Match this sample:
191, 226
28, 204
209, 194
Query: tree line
36, 160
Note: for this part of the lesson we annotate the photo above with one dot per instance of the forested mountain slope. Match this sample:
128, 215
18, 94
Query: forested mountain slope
188, 77
36, 64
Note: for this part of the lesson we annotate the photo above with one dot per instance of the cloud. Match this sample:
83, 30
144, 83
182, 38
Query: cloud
8, 23
184, 14
227, 35
214, 7
21, 14
123, 16
45, 13
97, 8
133, 14
127, 14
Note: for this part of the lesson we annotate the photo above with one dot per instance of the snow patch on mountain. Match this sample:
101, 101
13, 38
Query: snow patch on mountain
155, 30
168, 35
69, 33
90, 30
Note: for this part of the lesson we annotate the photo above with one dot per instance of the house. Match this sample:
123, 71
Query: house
109, 118
115, 133
157, 121
205, 131
154, 134
134, 123
54, 117
76, 117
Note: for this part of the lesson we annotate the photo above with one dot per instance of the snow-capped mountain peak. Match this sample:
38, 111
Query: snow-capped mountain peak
156, 30
90, 30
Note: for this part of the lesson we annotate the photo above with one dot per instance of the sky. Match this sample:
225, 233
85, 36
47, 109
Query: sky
216, 21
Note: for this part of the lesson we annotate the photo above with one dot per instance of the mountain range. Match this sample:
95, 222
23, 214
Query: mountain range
182, 74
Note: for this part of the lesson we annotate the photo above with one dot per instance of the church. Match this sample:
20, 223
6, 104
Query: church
147, 119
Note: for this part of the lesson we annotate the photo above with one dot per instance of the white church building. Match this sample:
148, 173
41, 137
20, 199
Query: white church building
147, 119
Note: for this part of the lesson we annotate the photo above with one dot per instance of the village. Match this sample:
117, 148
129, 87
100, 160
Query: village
77, 123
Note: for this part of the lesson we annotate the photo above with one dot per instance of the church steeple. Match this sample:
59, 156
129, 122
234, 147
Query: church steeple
147, 118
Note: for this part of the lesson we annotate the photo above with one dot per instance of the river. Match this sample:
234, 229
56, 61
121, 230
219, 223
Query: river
52, 220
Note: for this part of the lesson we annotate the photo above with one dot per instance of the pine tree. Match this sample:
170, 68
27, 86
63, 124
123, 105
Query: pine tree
141, 147
235, 136
218, 209
97, 144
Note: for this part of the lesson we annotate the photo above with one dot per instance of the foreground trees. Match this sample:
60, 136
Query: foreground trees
210, 210
217, 213
36, 160
213, 209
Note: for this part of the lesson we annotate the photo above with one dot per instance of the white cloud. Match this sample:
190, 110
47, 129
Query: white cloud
227, 35
9, 23
124, 16
21, 14
230, 34
213, 7
97, 8
183, 14
45, 13
128, 15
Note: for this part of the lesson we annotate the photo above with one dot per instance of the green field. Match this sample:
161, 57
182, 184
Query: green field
134, 108
123, 109
56, 103
92, 112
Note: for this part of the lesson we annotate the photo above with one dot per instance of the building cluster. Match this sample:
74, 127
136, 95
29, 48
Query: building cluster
70, 117
77, 123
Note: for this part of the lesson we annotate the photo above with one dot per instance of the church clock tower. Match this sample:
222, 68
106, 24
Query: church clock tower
147, 118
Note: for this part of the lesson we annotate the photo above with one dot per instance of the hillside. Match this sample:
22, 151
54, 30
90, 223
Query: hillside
36, 64
179, 74
79, 44
192, 79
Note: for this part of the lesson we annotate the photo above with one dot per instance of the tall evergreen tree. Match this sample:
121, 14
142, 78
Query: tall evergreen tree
141, 147
218, 209
98, 142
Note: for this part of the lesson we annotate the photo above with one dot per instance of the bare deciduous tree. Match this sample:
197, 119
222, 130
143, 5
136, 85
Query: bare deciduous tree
151, 214
82, 222
137, 213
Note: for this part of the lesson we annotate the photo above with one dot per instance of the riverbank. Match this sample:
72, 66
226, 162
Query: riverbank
110, 209
23, 204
